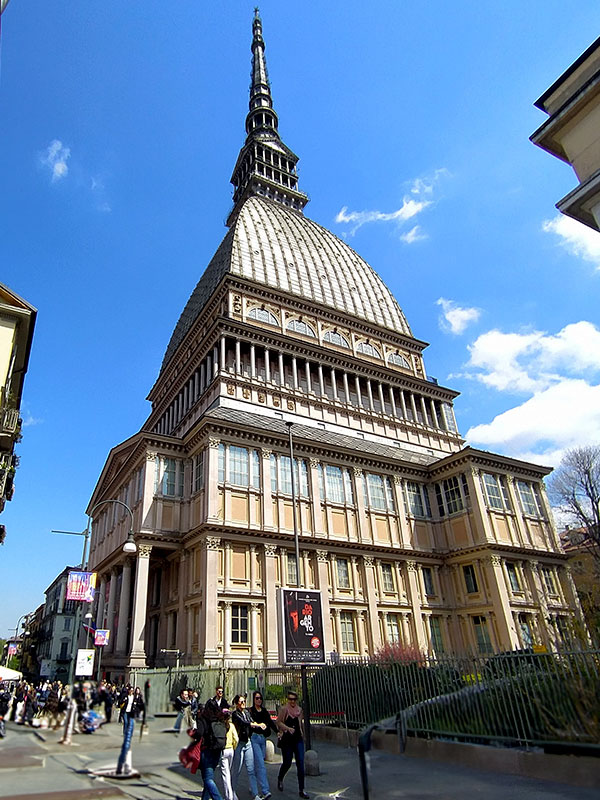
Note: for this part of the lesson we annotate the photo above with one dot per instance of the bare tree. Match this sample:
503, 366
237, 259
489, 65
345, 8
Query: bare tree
575, 489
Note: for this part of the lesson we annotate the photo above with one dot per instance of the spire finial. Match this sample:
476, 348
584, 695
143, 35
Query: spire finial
265, 166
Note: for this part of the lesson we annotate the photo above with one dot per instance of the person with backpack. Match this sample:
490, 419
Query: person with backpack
244, 755
259, 742
211, 728
226, 761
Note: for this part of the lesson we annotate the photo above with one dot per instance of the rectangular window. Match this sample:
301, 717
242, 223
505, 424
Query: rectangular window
529, 496
439, 500
376, 491
513, 576
343, 573
221, 463
452, 495
482, 636
435, 629
449, 417
414, 499
139, 484
292, 570
238, 466
387, 577
199, 472
525, 628
470, 579
496, 492
348, 637
393, 628
239, 624
281, 476
64, 649
428, 581
335, 484
67, 624
548, 579
169, 475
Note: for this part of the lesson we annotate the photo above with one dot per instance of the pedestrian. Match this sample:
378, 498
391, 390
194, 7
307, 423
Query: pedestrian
219, 698
30, 707
132, 707
226, 762
5, 701
290, 724
211, 727
51, 709
244, 755
181, 703
110, 697
259, 742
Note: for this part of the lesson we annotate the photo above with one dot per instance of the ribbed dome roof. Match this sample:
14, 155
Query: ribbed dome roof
278, 247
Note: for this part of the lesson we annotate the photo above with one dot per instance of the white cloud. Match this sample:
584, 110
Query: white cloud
565, 415
421, 190
576, 238
55, 158
531, 362
29, 421
559, 374
455, 318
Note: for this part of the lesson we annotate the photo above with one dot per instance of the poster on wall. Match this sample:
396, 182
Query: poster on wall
84, 666
45, 667
301, 627
81, 585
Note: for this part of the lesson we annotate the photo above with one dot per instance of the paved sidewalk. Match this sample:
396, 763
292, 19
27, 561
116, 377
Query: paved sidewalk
32, 769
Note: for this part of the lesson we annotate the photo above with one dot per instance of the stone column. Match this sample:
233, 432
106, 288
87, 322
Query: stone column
413, 591
321, 380
393, 401
223, 359
346, 387
101, 600
370, 395
295, 372
212, 545
323, 579
384, 620
413, 406
308, 376
360, 629
317, 511
110, 616
381, 398
405, 532
211, 481
334, 384
226, 628
506, 627
373, 613
354, 569
216, 365
137, 655
335, 613
202, 377
183, 583
478, 505
271, 646
253, 361
403, 404
358, 392
124, 607
238, 357
267, 365
424, 410
227, 566
267, 497
254, 652
252, 567
363, 523
281, 370
434, 414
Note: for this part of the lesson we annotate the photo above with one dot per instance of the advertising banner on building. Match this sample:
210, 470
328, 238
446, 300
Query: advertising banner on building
81, 585
84, 666
101, 637
301, 627
45, 667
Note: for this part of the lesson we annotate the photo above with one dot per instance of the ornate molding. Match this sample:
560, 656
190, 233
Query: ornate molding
265, 452
212, 543
270, 549
322, 556
255, 606
398, 480
411, 566
230, 388
213, 442
151, 456
144, 550
495, 561
358, 472
314, 463
369, 561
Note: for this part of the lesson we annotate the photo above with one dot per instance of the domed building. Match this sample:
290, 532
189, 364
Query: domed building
291, 340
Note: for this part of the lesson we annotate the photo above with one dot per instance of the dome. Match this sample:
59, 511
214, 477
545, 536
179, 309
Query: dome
278, 247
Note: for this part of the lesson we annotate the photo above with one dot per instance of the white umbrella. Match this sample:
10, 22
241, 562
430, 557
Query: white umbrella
7, 674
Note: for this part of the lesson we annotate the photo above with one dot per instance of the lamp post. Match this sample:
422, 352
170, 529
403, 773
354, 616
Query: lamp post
128, 547
89, 616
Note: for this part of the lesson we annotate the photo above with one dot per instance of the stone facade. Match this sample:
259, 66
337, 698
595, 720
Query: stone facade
409, 535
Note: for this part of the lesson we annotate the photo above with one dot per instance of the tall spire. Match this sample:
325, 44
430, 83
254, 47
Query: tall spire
265, 166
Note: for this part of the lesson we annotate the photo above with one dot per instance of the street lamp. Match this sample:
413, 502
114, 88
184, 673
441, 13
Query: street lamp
129, 547
89, 616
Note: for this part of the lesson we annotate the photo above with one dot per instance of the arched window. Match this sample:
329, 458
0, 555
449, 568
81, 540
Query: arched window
336, 338
297, 326
368, 350
398, 360
263, 315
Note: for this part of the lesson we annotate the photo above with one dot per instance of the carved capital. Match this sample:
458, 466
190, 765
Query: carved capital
314, 463
322, 556
475, 472
411, 566
495, 561
144, 550
270, 550
266, 453
534, 565
212, 543
255, 607
397, 480
369, 562
214, 443
357, 472
227, 605
151, 456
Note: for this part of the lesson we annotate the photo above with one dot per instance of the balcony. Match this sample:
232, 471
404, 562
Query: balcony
9, 421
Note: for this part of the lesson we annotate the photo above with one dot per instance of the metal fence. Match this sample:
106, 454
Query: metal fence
518, 699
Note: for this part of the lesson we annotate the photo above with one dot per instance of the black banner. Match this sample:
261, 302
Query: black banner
302, 628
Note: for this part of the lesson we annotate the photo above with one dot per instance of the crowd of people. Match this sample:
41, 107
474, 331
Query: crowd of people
229, 740
225, 740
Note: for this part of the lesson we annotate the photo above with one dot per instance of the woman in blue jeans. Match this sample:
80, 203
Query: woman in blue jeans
259, 742
244, 755
291, 740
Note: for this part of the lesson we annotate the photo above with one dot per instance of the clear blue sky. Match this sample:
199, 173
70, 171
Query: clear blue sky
120, 123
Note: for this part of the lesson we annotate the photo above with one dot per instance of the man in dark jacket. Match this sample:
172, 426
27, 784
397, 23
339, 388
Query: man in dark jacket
181, 703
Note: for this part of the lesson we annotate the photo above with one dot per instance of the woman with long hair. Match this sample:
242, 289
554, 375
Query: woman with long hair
226, 762
290, 724
244, 755
259, 742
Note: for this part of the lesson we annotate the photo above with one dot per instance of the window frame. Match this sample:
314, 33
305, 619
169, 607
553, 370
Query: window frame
343, 572
470, 579
387, 577
348, 631
239, 616
259, 314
